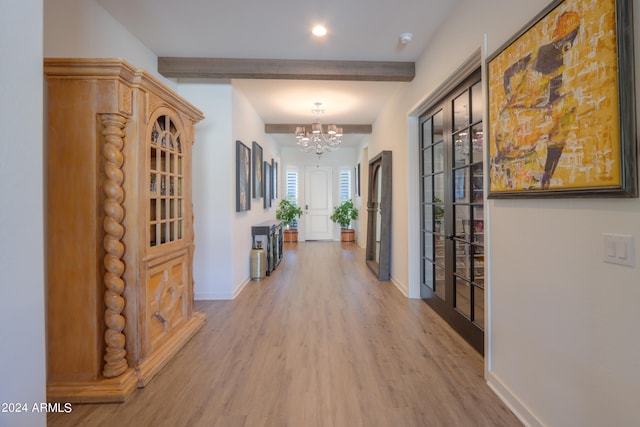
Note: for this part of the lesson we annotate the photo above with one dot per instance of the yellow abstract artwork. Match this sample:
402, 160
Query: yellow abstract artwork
553, 103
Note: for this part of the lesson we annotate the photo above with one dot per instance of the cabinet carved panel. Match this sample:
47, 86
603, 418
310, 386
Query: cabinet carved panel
167, 299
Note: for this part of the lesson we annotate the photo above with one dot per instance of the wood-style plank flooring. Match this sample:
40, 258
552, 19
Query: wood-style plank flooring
318, 343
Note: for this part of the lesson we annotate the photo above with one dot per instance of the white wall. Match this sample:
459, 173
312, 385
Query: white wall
22, 327
84, 29
390, 133
345, 157
563, 347
362, 199
247, 127
213, 188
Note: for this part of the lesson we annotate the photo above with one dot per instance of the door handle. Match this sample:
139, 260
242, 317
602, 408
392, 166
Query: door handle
306, 207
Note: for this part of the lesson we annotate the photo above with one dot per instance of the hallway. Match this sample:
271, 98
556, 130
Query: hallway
318, 343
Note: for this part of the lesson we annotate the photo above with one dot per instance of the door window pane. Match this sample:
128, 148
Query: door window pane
426, 133
461, 111
427, 160
476, 103
427, 188
428, 274
438, 243
463, 296
428, 217
478, 306
463, 259
438, 157
463, 222
438, 131
439, 282
438, 188
477, 142
477, 184
461, 148
461, 185
478, 265
438, 214
428, 246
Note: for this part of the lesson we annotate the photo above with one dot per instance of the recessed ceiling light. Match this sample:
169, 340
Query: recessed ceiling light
319, 31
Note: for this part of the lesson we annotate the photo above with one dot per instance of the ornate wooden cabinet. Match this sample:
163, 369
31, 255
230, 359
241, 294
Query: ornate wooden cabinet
119, 228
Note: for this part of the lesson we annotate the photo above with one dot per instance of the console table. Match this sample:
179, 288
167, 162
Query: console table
270, 234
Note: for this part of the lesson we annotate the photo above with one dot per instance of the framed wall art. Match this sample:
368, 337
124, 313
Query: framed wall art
267, 184
243, 177
257, 170
274, 172
561, 107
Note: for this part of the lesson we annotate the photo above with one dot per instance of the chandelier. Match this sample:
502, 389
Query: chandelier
316, 140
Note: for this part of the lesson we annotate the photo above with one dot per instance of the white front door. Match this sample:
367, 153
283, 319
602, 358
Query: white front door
318, 209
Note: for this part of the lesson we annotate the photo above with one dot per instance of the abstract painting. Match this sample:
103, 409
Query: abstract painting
274, 172
559, 118
257, 170
243, 177
267, 184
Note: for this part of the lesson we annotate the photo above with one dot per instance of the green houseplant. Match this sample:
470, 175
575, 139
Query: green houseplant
288, 212
343, 215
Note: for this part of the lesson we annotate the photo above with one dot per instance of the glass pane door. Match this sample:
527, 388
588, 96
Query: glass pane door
165, 182
452, 209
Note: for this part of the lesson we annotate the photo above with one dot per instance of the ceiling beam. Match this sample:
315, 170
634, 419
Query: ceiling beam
286, 128
221, 68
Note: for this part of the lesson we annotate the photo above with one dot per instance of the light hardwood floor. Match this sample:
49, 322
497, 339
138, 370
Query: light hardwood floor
318, 343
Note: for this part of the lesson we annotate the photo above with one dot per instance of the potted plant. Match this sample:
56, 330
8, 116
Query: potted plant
288, 212
343, 215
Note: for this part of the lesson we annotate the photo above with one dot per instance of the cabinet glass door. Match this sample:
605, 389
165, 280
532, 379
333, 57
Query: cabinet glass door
166, 178
452, 209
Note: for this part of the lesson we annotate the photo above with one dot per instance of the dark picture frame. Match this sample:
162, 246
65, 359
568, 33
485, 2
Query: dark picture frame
561, 107
274, 173
267, 184
243, 177
257, 170
357, 186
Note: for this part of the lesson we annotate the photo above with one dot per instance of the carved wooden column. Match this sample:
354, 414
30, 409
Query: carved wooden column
113, 132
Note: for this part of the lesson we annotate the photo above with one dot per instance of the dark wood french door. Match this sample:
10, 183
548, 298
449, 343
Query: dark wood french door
452, 209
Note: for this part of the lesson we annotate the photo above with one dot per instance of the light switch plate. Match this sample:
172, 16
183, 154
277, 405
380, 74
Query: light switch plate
618, 249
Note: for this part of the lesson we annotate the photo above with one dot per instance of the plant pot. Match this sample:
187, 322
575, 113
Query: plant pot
348, 235
290, 235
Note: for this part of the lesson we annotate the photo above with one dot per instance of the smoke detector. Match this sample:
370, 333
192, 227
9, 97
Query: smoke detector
406, 38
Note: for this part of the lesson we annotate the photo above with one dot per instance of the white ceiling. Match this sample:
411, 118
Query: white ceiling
281, 29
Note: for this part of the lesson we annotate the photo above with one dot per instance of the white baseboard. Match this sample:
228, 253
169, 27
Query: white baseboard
519, 408
239, 289
212, 296
401, 287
